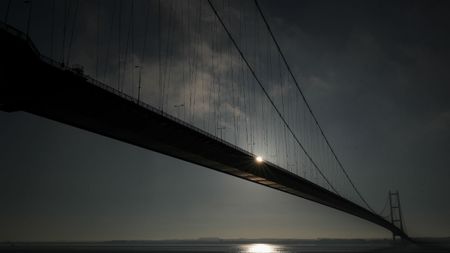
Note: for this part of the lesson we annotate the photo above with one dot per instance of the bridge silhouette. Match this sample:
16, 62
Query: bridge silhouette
222, 104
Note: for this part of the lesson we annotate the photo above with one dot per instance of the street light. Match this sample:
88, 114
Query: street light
139, 82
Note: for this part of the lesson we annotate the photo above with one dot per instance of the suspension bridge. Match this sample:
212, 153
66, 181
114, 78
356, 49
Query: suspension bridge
203, 81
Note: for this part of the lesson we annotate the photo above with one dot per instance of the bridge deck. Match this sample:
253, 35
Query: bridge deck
35, 84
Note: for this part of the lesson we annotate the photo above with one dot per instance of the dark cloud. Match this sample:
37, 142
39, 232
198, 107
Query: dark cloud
375, 74
381, 67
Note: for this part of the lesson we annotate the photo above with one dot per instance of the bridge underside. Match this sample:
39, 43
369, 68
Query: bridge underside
28, 83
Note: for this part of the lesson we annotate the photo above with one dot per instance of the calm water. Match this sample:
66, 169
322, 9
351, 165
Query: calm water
261, 248
220, 247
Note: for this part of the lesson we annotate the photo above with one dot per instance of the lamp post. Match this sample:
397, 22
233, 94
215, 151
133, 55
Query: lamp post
178, 109
139, 82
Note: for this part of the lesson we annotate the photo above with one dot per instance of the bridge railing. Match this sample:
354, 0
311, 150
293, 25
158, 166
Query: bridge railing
123, 95
264, 136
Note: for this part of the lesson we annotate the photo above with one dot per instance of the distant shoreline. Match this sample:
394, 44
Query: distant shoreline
228, 241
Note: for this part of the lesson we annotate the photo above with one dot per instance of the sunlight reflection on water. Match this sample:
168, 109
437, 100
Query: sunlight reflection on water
259, 248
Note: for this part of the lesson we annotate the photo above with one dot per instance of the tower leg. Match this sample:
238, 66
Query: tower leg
396, 212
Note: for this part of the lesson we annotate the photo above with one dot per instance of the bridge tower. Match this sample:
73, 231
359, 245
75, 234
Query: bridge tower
396, 212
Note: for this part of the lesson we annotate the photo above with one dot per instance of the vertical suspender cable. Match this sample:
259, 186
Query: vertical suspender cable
142, 59
309, 107
7, 11
74, 25
52, 35
266, 93
30, 9
97, 40
64, 32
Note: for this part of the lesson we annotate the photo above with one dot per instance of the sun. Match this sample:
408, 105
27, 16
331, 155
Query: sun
259, 159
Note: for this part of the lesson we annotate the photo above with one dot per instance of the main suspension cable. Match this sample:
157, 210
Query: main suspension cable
267, 95
308, 105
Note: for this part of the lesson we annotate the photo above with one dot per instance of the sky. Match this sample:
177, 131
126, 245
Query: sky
375, 74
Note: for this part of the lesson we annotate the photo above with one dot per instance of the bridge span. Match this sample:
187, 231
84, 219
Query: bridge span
36, 84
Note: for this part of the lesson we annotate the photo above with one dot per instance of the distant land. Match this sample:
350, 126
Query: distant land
202, 240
